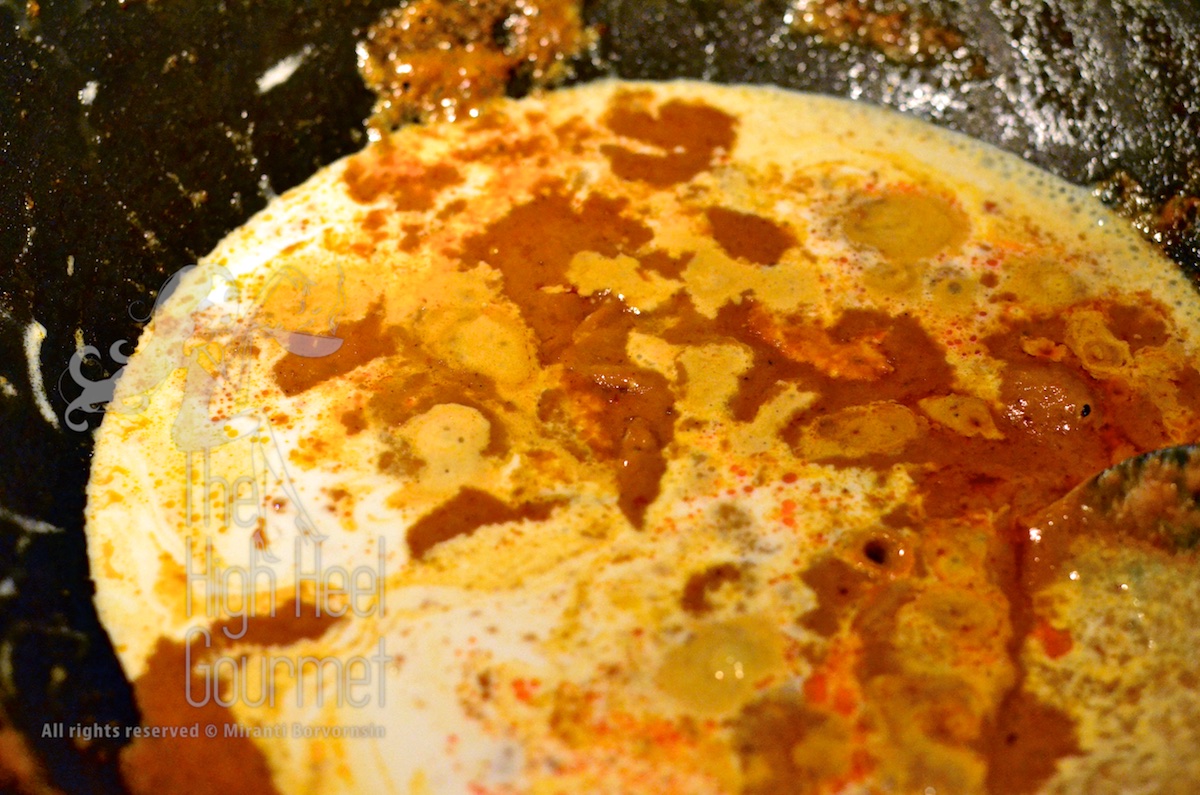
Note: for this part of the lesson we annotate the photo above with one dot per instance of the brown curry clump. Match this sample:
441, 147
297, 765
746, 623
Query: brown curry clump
411, 185
415, 380
363, 341
703, 583
203, 765
787, 746
465, 513
532, 263
750, 237
839, 588
1025, 743
432, 60
689, 134
626, 412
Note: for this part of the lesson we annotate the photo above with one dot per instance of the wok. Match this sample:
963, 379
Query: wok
134, 135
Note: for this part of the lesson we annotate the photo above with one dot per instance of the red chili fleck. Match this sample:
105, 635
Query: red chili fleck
1056, 642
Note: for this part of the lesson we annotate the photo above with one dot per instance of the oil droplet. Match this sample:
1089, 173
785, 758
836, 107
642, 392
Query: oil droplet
717, 669
907, 226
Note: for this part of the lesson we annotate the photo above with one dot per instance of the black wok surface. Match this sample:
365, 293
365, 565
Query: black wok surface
134, 136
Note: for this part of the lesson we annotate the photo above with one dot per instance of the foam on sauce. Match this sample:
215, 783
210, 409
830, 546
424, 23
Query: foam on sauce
706, 451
